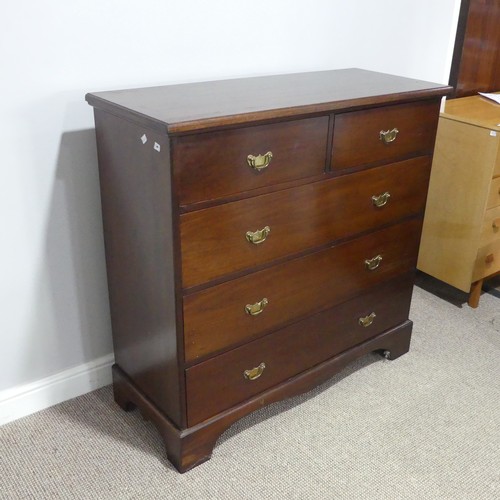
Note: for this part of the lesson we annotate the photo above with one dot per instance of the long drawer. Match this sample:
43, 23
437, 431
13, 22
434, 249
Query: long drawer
221, 382
214, 241
213, 165
384, 134
235, 311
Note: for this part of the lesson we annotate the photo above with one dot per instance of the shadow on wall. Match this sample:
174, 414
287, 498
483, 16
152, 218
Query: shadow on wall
72, 303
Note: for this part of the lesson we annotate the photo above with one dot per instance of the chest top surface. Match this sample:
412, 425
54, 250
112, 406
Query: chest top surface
476, 110
190, 107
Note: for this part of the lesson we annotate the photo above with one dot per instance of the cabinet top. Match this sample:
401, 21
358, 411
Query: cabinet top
477, 110
199, 106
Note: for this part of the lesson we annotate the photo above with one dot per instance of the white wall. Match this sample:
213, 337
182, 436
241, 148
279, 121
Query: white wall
53, 289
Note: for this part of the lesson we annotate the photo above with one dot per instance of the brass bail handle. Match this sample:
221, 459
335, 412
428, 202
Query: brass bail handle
259, 236
260, 162
388, 136
373, 263
254, 373
257, 308
381, 200
366, 321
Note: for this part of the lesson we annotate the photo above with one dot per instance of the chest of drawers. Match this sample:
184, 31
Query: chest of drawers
461, 233
260, 234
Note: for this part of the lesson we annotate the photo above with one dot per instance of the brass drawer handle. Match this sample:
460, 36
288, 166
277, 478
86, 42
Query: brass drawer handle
388, 136
496, 224
373, 263
366, 321
254, 373
381, 199
258, 237
260, 162
257, 308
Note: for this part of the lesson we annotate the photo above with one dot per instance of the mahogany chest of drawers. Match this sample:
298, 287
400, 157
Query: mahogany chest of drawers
260, 234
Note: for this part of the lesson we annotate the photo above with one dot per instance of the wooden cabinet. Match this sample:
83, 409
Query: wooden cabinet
461, 234
260, 234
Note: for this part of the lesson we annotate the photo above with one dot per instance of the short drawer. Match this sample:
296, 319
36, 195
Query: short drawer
213, 165
215, 240
487, 261
494, 194
232, 377
490, 231
384, 134
238, 310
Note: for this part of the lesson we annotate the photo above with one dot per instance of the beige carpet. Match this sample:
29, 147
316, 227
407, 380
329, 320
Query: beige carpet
425, 426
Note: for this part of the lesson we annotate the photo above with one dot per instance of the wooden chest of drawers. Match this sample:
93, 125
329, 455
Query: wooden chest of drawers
461, 233
260, 234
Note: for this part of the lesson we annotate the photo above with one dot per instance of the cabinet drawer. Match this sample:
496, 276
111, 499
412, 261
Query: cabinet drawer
219, 383
217, 318
487, 261
494, 194
490, 231
357, 136
214, 240
496, 170
214, 165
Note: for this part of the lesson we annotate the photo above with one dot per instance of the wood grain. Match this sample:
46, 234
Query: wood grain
214, 165
213, 240
138, 236
215, 318
476, 58
218, 384
459, 185
202, 106
190, 447
356, 135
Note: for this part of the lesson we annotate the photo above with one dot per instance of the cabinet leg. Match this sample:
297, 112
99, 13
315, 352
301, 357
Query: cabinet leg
121, 396
398, 344
475, 293
185, 448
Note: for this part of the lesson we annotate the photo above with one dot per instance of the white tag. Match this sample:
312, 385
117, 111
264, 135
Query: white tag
157, 147
493, 133
144, 138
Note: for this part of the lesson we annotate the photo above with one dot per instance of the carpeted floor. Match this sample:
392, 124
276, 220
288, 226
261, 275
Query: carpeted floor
425, 426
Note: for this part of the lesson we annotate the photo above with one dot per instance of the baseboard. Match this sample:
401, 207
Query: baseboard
26, 399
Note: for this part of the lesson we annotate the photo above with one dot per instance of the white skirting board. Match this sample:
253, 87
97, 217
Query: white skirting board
26, 399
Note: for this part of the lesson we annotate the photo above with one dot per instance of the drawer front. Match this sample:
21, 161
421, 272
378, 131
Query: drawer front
214, 241
219, 383
494, 194
357, 137
487, 261
496, 170
235, 311
214, 165
490, 232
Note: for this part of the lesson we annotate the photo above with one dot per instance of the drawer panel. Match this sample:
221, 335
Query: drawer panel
213, 240
357, 139
214, 165
487, 261
494, 194
219, 383
496, 170
216, 318
490, 231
